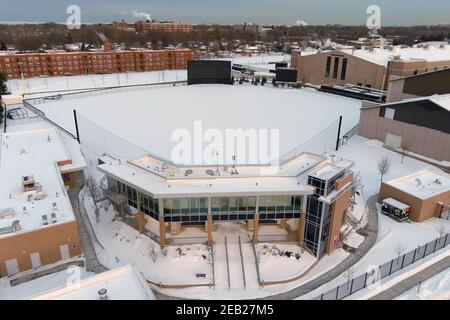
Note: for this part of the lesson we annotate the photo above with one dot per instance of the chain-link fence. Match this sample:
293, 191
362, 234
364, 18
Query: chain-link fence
353, 285
321, 143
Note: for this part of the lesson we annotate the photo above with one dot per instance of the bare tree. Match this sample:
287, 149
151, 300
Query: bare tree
384, 166
152, 253
93, 189
399, 248
356, 187
348, 275
441, 229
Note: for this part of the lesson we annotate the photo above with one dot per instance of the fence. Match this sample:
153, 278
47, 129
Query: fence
346, 136
321, 143
84, 93
369, 278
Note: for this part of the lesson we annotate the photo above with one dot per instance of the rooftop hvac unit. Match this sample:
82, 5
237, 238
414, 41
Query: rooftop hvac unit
16, 226
418, 182
28, 183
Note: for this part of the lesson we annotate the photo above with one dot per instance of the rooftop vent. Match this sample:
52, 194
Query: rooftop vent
418, 182
103, 294
28, 183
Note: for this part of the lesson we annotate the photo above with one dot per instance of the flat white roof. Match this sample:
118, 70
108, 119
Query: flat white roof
124, 283
202, 186
149, 117
381, 56
329, 169
34, 153
395, 203
423, 184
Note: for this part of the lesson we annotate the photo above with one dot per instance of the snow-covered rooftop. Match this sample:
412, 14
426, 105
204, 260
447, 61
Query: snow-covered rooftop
124, 283
149, 117
42, 156
395, 203
423, 184
329, 169
290, 179
381, 56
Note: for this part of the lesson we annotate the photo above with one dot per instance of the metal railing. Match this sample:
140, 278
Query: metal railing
257, 264
228, 264
42, 115
346, 136
242, 263
213, 268
370, 278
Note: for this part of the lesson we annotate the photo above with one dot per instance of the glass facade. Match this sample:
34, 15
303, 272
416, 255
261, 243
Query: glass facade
279, 207
335, 68
328, 67
222, 208
318, 214
185, 209
344, 69
233, 208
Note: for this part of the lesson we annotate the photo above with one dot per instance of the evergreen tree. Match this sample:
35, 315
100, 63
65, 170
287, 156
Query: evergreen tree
3, 87
3, 46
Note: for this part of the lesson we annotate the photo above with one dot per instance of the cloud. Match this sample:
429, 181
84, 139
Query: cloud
146, 16
300, 23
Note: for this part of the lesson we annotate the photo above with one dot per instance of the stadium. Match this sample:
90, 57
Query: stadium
129, 133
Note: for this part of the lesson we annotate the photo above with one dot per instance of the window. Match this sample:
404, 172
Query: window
336, 68
344, 69
327, 70
389, 113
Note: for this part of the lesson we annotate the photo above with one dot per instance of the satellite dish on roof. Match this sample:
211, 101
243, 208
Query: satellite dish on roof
188, 172
209, 172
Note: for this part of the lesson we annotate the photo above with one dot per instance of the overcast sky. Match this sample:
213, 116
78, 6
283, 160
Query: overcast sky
351, 12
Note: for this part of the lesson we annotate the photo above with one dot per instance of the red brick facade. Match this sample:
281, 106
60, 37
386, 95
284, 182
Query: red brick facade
60, 63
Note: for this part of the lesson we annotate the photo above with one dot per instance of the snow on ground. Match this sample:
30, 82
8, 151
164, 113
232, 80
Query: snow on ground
366, 153
124, 245
30, 85
353, 239
40, 285
288, 261
436, 288
149, 117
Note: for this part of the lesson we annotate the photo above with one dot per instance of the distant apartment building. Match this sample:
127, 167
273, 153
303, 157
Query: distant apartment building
369, 67
52, 63
170, 27
419, 125
37, 223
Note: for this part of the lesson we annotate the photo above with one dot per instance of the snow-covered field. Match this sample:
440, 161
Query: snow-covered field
19, 86
149, 117
288, 260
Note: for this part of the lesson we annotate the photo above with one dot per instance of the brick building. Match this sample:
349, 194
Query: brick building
60, 63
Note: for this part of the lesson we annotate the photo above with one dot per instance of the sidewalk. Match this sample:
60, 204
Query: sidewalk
369, 241
92, 263
397, 289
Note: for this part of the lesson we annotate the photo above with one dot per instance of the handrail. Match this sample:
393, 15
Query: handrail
228, 263
242, 263
257, 265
